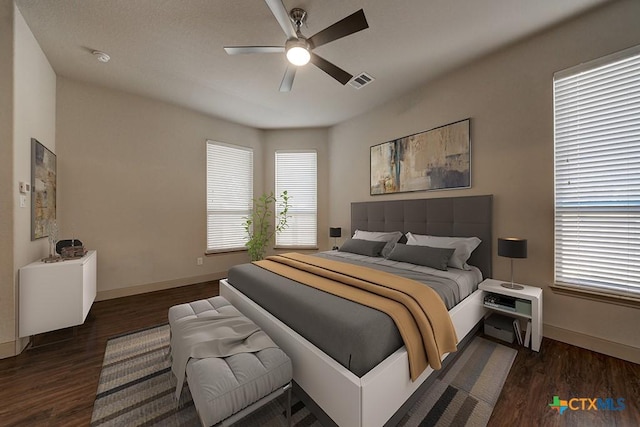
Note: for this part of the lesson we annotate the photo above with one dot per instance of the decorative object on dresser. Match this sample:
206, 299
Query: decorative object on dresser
512, 247
436, 159
335, 232
70, 248
52, 231
73, 252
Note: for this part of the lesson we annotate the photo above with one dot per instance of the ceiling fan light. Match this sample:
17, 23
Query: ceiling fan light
298, 55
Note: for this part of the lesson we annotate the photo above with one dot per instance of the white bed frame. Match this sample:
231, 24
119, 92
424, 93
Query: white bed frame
373, 399
350, 400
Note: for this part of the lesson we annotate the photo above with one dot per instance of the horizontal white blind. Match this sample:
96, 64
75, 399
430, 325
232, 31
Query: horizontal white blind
296, 172
597, 175
229, 195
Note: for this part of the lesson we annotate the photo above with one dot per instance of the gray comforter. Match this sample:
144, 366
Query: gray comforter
357, 337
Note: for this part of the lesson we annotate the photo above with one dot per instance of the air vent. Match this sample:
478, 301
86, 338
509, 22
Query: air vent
361, 80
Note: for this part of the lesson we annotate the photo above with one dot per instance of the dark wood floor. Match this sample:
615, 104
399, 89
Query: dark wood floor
567, 371
55, 384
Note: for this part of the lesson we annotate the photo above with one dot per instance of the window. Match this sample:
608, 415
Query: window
229, 195
296, 172
597, 175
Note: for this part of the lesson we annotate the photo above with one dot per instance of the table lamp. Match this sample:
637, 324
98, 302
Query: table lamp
335, 232
512, 247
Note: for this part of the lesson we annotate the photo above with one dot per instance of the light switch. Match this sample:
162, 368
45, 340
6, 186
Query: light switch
25, 187
23, 201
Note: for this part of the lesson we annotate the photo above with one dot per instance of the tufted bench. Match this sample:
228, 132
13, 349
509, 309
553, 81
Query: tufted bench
224, 390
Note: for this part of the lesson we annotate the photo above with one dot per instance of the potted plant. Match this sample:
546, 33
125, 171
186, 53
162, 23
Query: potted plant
258, 224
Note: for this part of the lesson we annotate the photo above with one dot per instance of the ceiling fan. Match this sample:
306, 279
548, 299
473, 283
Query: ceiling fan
299, 49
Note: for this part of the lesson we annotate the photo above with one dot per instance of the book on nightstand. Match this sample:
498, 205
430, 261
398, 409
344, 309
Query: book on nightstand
527, 335
516, 328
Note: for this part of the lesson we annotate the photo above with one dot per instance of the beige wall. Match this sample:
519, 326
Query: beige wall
34, 117
33, 92
132, 177
132, 173
303, 139
508, 97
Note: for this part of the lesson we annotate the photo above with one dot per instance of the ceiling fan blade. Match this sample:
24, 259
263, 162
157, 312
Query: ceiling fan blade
241, 50
334, 71
282, 16
349, 25
287, 80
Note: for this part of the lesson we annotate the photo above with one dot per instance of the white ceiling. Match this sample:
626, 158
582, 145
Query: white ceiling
172, 50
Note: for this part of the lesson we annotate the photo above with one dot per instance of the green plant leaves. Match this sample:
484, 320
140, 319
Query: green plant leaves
258, 225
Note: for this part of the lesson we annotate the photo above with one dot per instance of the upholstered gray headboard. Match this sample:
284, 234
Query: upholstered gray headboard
451, 216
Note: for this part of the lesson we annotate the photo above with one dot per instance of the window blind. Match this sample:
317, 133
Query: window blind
296, 172
229, 195
597, 175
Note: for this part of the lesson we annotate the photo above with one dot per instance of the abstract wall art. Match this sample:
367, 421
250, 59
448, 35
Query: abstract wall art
435, 159
43, 189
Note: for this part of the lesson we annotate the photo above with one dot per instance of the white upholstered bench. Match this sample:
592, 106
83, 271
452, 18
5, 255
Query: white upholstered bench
225, 390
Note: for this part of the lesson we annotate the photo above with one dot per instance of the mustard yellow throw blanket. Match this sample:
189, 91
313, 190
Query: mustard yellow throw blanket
417, 310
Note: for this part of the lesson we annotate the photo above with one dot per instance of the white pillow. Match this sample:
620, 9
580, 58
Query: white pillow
391, 237
463, 246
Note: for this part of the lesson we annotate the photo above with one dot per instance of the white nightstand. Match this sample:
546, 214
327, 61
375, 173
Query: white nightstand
529, 293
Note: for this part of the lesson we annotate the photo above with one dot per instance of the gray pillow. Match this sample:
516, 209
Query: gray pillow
422, 255
363, 247
391, 237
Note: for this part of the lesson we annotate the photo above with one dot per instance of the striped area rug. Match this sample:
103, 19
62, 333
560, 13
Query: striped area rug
136, 388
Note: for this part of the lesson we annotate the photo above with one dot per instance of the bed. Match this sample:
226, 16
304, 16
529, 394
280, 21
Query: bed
377, 396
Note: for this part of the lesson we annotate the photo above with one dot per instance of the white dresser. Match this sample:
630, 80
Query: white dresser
56, 295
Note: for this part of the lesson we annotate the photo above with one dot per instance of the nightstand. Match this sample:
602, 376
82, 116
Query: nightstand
529, 293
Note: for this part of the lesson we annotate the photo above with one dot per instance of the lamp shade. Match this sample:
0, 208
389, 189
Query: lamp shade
512, 247
335, 232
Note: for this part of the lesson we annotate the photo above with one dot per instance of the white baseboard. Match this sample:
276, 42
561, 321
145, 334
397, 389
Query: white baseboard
13, 348
7, 349
600, 345
158, 286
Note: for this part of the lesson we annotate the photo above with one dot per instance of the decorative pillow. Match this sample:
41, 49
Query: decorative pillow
391, 237
422, 255
362, 247
463, 246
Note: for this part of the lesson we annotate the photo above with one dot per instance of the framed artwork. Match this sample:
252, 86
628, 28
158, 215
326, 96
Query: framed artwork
43, 189
435, 159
